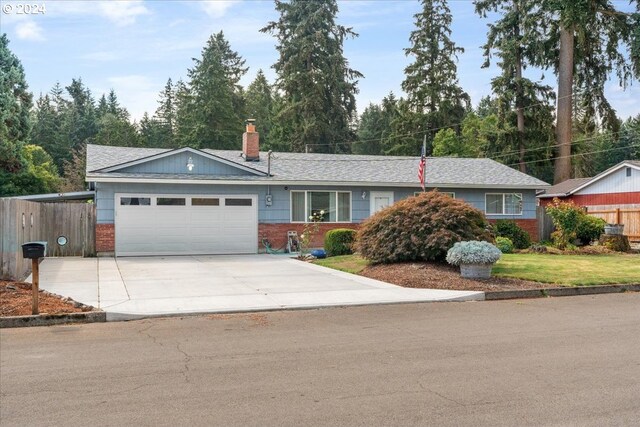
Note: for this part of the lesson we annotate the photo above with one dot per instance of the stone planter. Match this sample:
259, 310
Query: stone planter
614, 229
476, 271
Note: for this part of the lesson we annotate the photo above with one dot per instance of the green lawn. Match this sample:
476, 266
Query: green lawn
571, 270
350, 263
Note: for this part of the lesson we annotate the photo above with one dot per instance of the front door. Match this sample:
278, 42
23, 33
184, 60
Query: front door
380, 200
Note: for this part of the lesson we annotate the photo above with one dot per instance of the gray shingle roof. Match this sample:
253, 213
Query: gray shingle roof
563, 189
334, 168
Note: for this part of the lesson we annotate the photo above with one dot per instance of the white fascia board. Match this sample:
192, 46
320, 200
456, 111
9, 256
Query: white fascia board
89, 178
603, 175
178, 151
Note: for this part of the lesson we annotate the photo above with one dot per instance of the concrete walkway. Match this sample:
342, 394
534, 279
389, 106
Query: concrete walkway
129, 288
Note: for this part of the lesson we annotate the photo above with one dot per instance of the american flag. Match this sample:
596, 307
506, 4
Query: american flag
421, 167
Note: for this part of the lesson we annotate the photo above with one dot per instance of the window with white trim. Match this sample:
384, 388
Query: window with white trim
330, 206
503, 203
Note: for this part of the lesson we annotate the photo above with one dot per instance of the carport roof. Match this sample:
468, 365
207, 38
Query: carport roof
323, 168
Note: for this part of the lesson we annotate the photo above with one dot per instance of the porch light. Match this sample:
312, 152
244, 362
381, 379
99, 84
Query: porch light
190, 164
364, 195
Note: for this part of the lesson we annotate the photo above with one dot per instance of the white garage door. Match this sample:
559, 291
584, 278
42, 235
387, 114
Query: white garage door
183, 225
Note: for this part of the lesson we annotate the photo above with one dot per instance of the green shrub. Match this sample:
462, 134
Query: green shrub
339, 241
590, 228
473, 253
511, 230
572, 222
504, 244
423, 227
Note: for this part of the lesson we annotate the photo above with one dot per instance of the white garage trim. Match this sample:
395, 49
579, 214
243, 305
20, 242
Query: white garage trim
200, 224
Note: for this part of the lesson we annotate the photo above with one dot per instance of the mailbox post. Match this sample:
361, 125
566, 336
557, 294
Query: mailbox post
34, 251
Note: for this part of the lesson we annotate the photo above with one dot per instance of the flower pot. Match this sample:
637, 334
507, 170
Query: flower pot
614, 229
476, 271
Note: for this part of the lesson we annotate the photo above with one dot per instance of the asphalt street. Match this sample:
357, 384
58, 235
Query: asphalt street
554, 361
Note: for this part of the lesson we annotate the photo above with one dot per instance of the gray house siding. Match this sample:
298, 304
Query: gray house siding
177, 164
279, 212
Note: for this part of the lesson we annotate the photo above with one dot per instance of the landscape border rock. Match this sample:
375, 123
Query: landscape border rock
560, 292
52, 319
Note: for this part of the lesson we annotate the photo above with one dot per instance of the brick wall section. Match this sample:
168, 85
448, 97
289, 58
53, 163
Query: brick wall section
276, 234
528, 225
105, 238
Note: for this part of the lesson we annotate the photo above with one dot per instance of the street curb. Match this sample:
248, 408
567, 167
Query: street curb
560, 292
52, 319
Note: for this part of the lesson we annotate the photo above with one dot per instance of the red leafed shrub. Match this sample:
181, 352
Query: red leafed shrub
420, 228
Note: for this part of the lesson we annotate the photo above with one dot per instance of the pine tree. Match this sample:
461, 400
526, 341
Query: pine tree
317, 84
524, 105
208, 108
583, 42
24, 169
164, 120
375, 127
434, 97
259, 106
15, 105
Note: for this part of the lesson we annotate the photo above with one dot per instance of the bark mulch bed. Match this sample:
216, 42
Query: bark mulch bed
15, 300
443, 276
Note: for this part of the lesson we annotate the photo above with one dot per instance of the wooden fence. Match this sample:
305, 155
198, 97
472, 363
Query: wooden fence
628, 215
22, 221
545, 224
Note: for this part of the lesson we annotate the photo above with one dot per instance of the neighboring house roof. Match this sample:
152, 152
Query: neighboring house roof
317, 168
563, 189
571, 186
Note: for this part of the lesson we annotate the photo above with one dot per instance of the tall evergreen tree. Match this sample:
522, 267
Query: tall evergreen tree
259, 106
163, 124
24, 169
524, 105
15, 106
207, 112
585, 66
374, 127
434, 96
317, 84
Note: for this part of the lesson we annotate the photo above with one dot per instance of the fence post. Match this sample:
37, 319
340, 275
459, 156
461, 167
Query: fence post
617, 215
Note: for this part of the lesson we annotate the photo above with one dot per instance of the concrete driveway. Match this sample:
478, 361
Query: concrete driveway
129, 288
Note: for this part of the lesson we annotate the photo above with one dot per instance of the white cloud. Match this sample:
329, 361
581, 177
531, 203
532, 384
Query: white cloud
29, 30
217, 8
123, 13
120, 12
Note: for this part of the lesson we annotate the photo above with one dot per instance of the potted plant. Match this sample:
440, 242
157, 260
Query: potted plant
474, 258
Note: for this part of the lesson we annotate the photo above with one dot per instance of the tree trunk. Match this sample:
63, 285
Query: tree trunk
519, 104
565, 103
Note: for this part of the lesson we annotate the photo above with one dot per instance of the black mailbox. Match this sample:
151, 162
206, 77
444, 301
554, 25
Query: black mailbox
33, 250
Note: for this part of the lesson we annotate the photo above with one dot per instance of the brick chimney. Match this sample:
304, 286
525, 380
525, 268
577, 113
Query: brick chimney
251, 142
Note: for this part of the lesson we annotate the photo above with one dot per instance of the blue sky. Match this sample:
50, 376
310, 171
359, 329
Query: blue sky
135, 46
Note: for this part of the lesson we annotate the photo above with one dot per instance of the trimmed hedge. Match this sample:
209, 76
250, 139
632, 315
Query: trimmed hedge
508, 228
420, 228
339, 241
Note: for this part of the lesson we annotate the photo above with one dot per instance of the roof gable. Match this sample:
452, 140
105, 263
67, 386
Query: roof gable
177, 161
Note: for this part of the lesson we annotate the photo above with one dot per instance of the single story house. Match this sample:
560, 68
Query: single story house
613, 195
617, 186
186, 201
